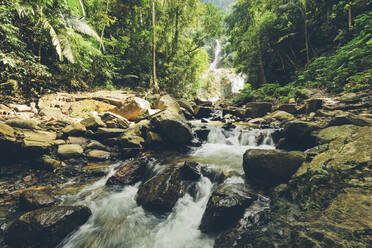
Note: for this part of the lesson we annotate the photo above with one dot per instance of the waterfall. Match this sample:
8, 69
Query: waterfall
217, 51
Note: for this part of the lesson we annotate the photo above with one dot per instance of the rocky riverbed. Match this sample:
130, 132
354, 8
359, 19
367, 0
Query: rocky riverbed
66, 154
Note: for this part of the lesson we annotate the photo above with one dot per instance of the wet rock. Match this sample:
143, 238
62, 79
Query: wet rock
75, 129
257, 109
271, 167
126, 153
34, 199
297, 135
20, 123
202, 133
98, 155
312, 105
289, 108
45, 227
161, 192
202, 112
169, 103
172, 128
130, 173
92, 123
225, 207
215, 175
191, 171
154, 140
70, 151
132, 108
347, 118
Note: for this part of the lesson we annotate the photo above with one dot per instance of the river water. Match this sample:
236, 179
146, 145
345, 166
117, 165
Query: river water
117, 220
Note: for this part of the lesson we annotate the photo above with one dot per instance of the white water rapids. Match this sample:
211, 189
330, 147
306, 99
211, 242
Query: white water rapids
117, 220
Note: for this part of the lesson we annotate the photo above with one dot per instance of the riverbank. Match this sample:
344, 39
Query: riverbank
64, 144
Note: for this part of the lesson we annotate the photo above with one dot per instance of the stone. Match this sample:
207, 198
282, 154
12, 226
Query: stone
77, 140
296, 135
130, 139
191, 171
270, 168
23, 108
348, 118
51, 113
45, 227
26, 124
7, 133
70, 151
225, 207
257, 109
50, 163
312, 105
202, 112
130, 173
326, 135
98, 155
114, 121
75, 129
202, 133
58, 142
94, 144
92, 123
132, 108
280, 115
154, 140
289, 108
169, 103
186, 105
161, 192
34, 199
37, 142
172, 128
105, 133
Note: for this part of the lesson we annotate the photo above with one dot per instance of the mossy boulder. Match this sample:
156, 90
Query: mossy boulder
271, 167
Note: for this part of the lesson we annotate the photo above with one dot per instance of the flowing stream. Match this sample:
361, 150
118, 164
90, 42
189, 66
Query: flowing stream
117, 220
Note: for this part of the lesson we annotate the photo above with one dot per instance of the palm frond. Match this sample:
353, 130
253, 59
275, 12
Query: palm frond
67, 49
81, 26
25, 10
55, 39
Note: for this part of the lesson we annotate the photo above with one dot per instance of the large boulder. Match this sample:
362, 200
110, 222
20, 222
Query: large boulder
296, 135
271, 167
130, 173
326, 135
257, 109
225, 207
169, 103
70, 151
161, 192
173, 128
203, 112
45, 227
312, 105
132, 108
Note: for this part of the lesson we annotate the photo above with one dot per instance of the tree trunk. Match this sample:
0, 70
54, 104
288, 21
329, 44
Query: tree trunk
350, 18
104, 26
307, 42
263, 79
155, 83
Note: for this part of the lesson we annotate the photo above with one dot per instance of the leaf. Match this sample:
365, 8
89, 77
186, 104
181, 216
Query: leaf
81, 26
55, 40
67, 50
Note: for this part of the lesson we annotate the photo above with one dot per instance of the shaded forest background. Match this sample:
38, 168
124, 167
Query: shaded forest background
282, 46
